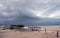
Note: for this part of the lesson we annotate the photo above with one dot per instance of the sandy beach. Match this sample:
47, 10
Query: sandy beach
51, 33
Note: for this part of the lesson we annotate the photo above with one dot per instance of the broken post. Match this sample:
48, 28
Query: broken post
57, 35
45, 31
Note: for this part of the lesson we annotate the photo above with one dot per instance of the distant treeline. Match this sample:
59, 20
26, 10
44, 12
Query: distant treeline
17, 26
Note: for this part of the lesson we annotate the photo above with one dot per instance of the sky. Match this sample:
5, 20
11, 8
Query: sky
30, 12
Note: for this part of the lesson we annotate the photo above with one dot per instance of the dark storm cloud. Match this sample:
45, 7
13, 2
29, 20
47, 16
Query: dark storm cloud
29, 11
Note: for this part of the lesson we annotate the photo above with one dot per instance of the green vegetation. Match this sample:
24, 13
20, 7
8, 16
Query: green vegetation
20, 26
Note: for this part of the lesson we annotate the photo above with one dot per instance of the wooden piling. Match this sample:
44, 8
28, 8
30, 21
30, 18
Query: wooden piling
57, 34
45, 31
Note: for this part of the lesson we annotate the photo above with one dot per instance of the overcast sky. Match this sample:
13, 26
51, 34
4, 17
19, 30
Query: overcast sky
30, 11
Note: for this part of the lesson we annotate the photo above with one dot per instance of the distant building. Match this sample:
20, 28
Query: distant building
34, 28
1, 27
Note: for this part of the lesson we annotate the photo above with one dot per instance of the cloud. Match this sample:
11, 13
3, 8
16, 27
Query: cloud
29, 11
